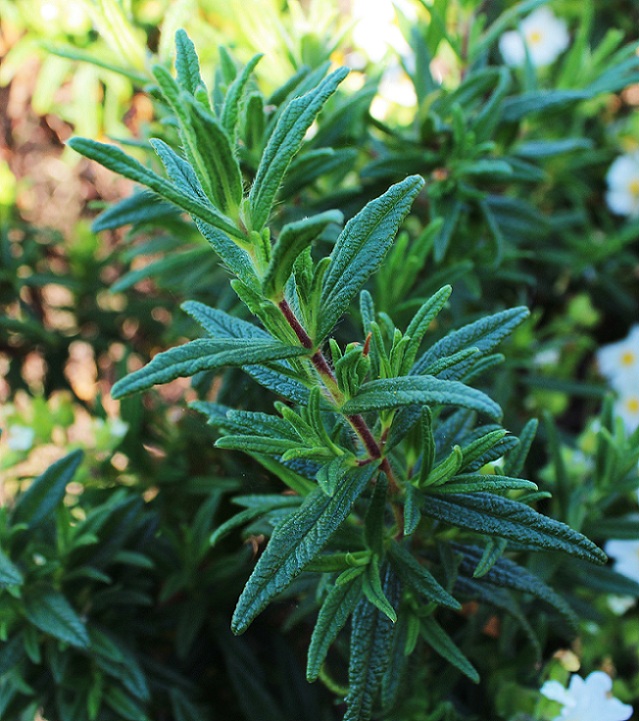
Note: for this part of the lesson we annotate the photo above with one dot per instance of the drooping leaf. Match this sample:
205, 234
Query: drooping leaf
46, 491
361, 247
424, 390
203, 355
441, 642
296, 541
493, 515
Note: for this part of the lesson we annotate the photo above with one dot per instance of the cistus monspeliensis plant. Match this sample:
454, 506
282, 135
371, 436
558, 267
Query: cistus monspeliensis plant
388, 521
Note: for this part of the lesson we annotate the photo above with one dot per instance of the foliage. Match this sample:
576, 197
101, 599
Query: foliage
366, 437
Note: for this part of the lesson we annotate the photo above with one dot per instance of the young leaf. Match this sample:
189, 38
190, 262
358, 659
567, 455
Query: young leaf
203, 355
371, 643
517, 457
231, 108
187, 64
337, 607
441, 642
284, 144
49, 611
372, 587
493, 515
421, 321
360, 249
46, 491
297, 541
293, 240
410, 390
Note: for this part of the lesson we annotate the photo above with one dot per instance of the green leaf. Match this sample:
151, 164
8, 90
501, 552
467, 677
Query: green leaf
46, 492
361, 247
49, 611
516, 458
219, 324
493, 515
187, 64
138, 209
292, 241
475, 482
409, 390
231, 108
203, 355
119, 162
9, 573
296, 541
336, 608
372, 587
420, 323
415, 576
371, 644
507, 574
537, 101
284, 143
441, 642
250, 514
484, 334
535, 149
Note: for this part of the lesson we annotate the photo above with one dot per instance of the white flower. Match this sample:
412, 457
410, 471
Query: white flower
545, 36
20, 438
626, 557
620, 604
627, 408
623, 185
620, 361
587, 700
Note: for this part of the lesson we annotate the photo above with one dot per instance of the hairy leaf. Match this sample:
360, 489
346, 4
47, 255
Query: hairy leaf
203, 355
361, 247
296, 542
493, 515
410, 390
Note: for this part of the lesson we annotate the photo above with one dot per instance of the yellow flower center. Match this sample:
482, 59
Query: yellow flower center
633, 187
628, 358
535, 37
632, 404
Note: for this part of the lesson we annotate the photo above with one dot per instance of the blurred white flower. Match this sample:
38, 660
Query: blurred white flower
587, 700
544, 34
620, 604
117, 427
619, 362
627, 408
20, 438
626, 557
623, 185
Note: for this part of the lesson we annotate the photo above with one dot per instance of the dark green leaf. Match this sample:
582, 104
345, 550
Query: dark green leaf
409, 390
295, 542
493, 515
49, 611
336, 608
9, 573
441, 642
46, 491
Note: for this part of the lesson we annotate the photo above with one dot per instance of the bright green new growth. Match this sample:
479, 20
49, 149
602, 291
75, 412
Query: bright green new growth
381, 441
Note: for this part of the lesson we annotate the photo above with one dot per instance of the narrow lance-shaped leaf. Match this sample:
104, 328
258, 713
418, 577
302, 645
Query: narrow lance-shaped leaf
371, 643
441, 642
231, 108
294, 238
49, 611
203, 355
493, 515
46, 491
284, 144
410, 390
361, 247
187, 64
337, 607
119, 162
296, 542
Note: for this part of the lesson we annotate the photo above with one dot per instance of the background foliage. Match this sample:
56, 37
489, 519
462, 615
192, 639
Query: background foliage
122, 562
